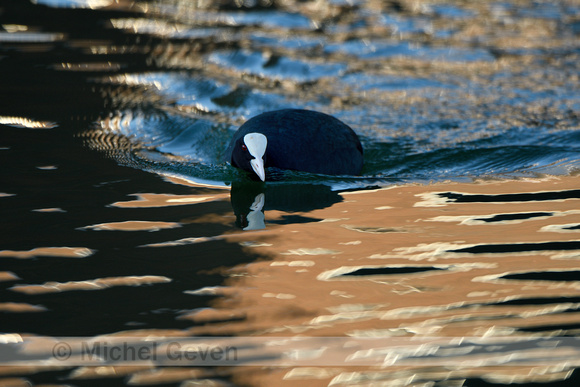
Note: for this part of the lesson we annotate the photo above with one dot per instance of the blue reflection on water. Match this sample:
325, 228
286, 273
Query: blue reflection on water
384, 49
275, 67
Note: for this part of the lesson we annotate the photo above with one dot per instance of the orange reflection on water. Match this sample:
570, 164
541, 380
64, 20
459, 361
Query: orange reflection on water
132, 225
164, 200
96, 284
404, 261
20, 307
68, 252
8, 276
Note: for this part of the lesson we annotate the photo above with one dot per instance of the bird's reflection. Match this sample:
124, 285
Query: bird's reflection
255, 219
250, 200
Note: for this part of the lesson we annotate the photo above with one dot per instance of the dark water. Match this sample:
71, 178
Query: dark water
101, 101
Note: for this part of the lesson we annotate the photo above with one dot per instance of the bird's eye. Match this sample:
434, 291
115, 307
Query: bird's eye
244, 147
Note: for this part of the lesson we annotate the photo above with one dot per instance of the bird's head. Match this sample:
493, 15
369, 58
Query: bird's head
249, 154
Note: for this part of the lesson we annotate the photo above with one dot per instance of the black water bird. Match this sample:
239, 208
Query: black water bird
296, 139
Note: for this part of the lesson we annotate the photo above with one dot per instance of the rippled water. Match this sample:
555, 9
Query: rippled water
430, 96
120, 213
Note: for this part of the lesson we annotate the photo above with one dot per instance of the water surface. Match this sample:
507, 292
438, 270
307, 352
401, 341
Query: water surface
118, 205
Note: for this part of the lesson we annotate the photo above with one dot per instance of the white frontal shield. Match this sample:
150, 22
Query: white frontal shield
256, 144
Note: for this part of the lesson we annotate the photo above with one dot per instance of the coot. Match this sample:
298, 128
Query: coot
296, 139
